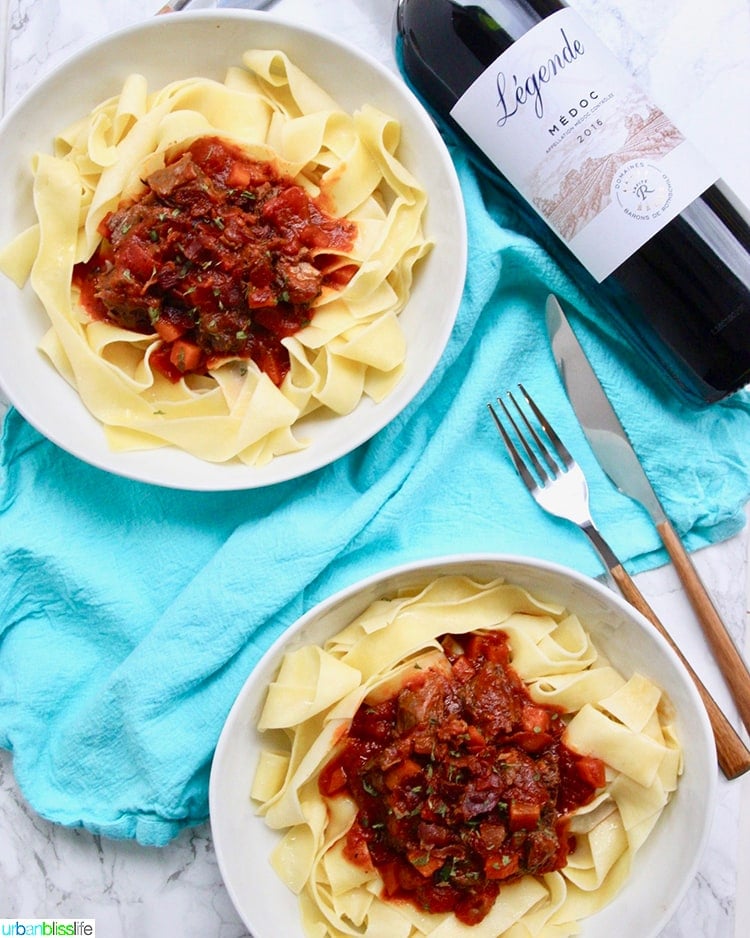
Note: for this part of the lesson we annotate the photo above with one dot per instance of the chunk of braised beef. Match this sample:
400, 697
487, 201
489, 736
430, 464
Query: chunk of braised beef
492, 701
122, 221
124, 299
374, 723
542, 848
422, 702
223, 331
183, 184
168, 276
492, 835
394, 753
521, 778
301, 281
164, 181
435, 835
480, 796
181, 319
548, 769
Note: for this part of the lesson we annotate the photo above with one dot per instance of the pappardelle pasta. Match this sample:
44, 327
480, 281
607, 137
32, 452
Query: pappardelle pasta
341, 788
344, 340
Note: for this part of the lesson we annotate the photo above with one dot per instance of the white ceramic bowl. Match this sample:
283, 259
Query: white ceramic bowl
665, 865
205, 43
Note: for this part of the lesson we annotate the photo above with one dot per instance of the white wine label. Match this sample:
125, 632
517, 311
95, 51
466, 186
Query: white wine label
566, 124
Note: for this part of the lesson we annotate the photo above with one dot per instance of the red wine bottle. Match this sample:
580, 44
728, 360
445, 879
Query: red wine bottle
682, 296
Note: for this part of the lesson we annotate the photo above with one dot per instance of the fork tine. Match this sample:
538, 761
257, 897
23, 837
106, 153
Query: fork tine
542, 475
553, 467
558, 444
528, 480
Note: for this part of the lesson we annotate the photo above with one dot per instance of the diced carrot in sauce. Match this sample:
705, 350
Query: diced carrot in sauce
501, 866
591, 770
168, 331
160, 362
185, 356
535, 719
523, 816
239, 176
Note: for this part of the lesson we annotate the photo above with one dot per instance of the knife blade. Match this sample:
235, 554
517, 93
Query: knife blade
615, 454
176, 5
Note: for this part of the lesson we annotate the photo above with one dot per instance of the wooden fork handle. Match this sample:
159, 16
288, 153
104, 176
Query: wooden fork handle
733, 755
730, 662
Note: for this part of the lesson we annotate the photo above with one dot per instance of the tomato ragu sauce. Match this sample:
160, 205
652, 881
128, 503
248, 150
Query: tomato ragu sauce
461, 782
222, 257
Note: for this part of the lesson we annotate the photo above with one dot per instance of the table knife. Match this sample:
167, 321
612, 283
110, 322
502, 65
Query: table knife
175, 5
616, 456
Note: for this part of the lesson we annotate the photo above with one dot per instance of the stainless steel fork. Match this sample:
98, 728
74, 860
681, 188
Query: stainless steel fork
561, 490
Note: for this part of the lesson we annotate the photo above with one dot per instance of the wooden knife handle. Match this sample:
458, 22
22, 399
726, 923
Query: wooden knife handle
732, 753
730, 662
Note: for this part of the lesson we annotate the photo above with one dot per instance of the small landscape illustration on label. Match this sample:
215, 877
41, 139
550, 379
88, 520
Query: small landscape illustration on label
625, 171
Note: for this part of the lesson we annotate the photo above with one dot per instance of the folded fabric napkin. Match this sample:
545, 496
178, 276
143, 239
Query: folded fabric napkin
131, 615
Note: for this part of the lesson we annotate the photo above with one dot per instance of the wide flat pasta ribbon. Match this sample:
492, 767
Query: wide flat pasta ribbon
354, 348
624, 722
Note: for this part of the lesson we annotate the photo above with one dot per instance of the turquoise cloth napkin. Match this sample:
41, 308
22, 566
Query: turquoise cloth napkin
131, 615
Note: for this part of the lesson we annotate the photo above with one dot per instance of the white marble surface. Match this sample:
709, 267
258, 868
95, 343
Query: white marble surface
695, 58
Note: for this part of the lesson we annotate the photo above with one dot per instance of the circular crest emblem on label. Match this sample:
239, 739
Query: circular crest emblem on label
642, 189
